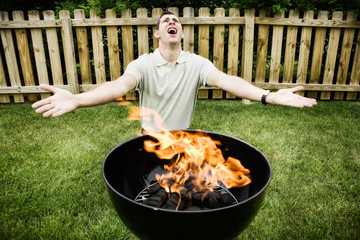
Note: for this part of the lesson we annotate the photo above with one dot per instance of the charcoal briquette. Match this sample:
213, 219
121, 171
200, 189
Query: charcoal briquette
227, 198
163, 195
153, 189
153, 201
212, 201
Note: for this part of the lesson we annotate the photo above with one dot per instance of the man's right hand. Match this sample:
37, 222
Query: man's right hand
60, 103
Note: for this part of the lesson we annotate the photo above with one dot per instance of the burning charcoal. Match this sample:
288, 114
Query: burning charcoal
170, 206
163, 195
174, 201
211, 200
189, 184
185, 195
153, 201
198, 196
192, 208
154, 189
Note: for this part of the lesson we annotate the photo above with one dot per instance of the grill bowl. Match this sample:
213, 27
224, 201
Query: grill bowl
128, 169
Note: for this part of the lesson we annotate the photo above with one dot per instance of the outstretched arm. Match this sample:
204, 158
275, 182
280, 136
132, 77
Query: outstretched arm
63, 101
243, 89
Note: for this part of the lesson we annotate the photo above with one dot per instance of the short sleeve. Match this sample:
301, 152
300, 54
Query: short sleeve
134, 69
206, 68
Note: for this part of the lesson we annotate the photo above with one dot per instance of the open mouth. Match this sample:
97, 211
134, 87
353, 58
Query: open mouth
172, 30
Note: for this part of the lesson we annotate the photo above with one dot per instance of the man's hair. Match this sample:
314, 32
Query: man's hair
163, 13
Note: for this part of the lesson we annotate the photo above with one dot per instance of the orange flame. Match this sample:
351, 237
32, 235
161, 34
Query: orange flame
194, 155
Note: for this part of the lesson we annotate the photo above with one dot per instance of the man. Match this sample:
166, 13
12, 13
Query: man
168, 81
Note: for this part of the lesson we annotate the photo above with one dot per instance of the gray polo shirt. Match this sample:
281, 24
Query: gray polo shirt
168, 91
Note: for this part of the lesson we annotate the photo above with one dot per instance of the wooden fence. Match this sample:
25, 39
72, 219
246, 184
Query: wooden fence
321, 53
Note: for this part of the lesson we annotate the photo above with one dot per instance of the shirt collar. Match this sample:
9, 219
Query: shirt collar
160, 61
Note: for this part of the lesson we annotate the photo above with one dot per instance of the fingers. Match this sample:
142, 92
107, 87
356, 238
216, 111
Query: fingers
50, 110
305, 102
44, 108
41, 103
48, 88
297, 89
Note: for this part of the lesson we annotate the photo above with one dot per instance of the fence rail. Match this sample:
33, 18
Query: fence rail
321, 53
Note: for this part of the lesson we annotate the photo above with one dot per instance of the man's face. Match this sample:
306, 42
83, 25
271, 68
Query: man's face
170, 29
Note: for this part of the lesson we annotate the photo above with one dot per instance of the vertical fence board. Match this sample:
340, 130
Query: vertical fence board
290, 49
203, 42
127, 39
305, 45
204, 34
113, 47
54, 52
174, 10
156, 13
142, 33
317, 56
344, 61
331, 55
247, 13
4, 98
24, 55
188, 31
219, 41
10, 57
248, 49
69, 51
98, 50
355, 72
83, 49
276, 49
127, 46
39, 51
233, 48
262, 47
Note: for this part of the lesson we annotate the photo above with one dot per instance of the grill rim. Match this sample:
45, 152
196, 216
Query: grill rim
259, 192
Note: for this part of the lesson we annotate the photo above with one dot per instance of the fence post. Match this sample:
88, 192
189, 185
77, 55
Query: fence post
69, 51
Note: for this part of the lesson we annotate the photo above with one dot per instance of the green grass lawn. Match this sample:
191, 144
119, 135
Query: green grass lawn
51, 184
